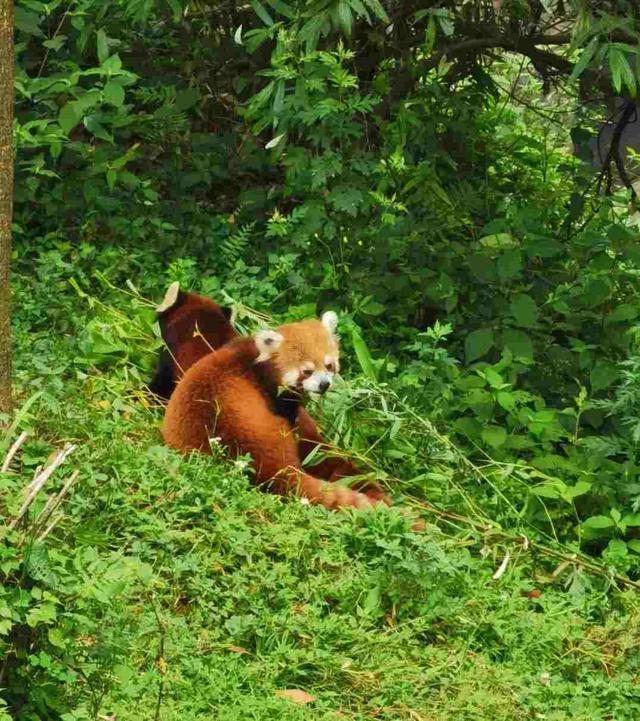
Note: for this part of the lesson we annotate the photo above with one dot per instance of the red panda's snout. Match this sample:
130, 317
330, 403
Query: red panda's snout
304, 354
316, 381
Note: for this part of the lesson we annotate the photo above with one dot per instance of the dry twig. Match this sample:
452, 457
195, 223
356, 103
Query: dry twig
12, 451
38, 482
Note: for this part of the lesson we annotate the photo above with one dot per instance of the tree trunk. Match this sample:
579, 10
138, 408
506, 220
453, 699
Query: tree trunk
6, 196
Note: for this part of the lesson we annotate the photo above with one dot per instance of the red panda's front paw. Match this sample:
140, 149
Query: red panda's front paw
376, 494
372, 490
369, 499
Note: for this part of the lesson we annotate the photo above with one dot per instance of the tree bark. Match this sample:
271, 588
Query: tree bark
6, 196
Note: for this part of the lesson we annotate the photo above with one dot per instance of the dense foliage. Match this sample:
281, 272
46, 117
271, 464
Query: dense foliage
424, 169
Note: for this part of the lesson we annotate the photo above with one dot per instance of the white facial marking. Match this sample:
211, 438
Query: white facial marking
267, 343
330, 321
290, 378
318, 382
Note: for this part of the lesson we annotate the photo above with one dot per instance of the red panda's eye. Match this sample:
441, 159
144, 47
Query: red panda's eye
307, 373
330, 367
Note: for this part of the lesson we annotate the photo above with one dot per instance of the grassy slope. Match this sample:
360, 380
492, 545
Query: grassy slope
250, 594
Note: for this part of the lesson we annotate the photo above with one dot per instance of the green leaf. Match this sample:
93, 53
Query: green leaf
94, 126
359, 9
519, 343
56, 637
69, 116
596, 292
237, 36
544, 247
345, 18
372, 307
506, 400
278, 100
112, 65
617, 546
346, 199
377, 9
478, 343
622, 313
632, 520
187, 98
263, 96
176, 8
509, 264
584, 59
634, 545
27, 21
580, 488
114, 94
598, 522
498, 240
362, 354
261, 12
494, 378
372, 601
102, 46
55, 43
282, 8
546, 490
494, 436
524, 309
602, 375
621, 71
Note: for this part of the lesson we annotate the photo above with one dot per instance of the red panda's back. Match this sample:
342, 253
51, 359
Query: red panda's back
190, 416
196, 407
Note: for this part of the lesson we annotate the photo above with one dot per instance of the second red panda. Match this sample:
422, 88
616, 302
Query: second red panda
191, 326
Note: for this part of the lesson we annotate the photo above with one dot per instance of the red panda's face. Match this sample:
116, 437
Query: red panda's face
305, 354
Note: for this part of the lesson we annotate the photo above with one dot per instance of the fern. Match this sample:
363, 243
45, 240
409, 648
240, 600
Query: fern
233, 248
167, 125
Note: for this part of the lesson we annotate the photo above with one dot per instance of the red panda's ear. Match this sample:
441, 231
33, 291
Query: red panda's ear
330, 321
267, 343
171, 297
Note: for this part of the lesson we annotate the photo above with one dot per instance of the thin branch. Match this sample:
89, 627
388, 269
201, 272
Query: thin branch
55, 500
39, 481
12, 451
53, 37
575, 559
50, 527
614, 153
525, 45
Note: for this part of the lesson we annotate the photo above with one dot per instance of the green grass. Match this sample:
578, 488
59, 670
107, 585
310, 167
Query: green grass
182, 593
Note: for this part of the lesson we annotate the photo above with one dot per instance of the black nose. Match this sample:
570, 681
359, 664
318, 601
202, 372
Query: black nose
322, 387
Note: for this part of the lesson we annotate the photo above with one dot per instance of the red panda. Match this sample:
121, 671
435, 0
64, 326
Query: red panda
233, 394
180, 315
191, 326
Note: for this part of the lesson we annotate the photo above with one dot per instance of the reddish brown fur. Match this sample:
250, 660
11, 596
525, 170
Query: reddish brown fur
177, 326
306, 340
227, 395
193, 328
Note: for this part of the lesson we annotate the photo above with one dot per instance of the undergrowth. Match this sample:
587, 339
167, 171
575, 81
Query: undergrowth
172, 589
